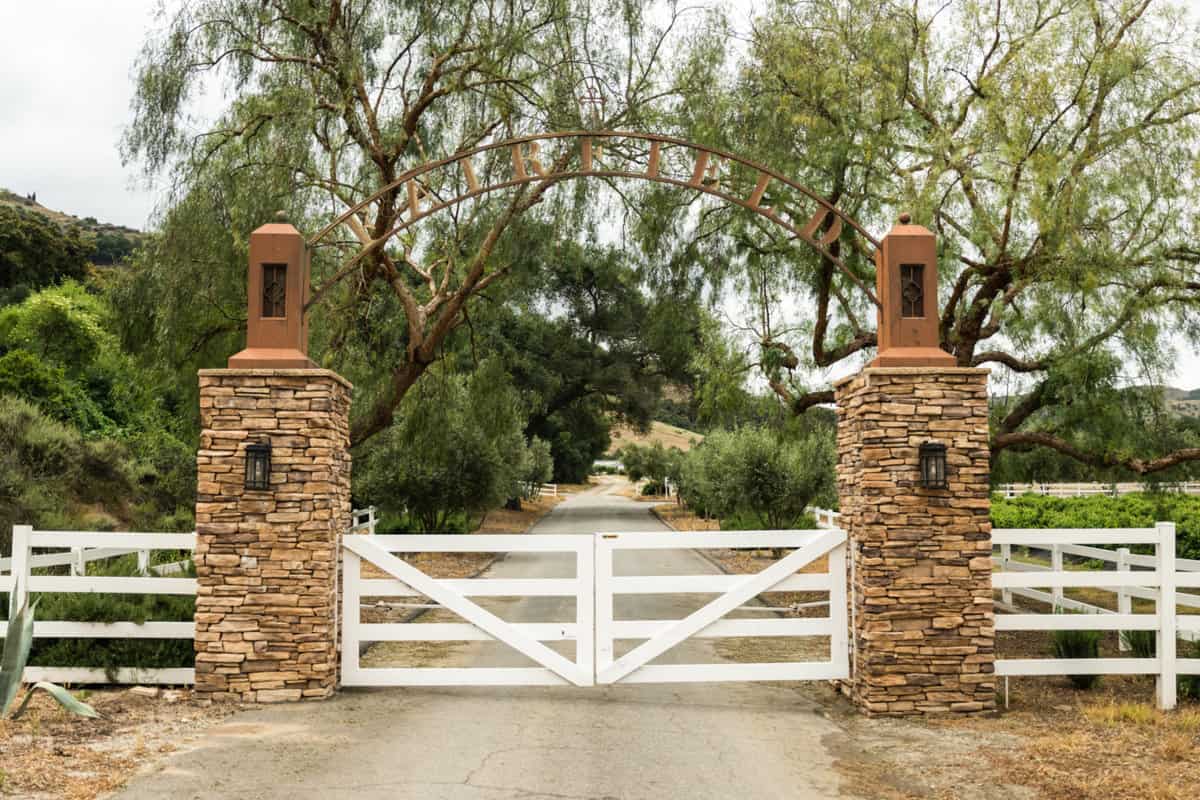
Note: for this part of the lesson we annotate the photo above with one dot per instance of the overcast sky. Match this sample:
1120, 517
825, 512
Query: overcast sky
65, 88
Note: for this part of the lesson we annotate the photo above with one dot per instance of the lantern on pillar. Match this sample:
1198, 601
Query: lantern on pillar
933, 465
258, 466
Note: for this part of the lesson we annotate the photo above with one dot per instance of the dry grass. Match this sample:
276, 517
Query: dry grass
667, 435
1108, 749
504, 521
681, 518
51, 754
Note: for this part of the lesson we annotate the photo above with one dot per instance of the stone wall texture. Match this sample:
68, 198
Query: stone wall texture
924, 630
266, 562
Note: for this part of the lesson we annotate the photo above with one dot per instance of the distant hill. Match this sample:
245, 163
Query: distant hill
1183, 402
110, 244
669, 435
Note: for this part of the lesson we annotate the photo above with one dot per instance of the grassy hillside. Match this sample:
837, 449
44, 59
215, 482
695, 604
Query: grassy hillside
668, 435
108, 243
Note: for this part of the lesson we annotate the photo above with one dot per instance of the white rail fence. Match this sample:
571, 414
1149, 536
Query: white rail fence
1164, 581
363, 520
77, 549
825, 518
1123, 561
406, 581
1010, 490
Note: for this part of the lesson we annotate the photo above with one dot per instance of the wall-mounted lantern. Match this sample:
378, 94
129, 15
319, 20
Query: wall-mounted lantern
933, 466
258, 466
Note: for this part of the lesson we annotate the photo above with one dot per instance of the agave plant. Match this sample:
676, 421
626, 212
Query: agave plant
17, 642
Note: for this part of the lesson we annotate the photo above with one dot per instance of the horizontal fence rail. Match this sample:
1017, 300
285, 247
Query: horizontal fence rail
1010, 490
78, 549
1156, 578
594, 630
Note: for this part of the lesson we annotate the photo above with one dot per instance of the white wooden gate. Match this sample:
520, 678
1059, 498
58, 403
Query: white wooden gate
454, 595
733, 592
595, 630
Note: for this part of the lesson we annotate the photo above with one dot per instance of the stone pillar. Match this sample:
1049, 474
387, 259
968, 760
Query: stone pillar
923, 632
266, 561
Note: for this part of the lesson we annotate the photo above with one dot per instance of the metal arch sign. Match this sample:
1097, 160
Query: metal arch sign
554, 157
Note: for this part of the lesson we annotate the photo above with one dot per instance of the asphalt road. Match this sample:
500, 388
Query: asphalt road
627, 742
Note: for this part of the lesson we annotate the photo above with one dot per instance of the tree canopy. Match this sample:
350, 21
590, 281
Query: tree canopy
332, 102
1052, 147
1050, 144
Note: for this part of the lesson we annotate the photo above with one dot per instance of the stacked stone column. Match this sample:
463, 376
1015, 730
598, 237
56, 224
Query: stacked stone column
266, 561
923, 632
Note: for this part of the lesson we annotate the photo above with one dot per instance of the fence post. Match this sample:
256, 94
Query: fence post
143, 560
1124, 602
371, 520
1005, 557
1166, 615
78, 562
1056, 565
20, 568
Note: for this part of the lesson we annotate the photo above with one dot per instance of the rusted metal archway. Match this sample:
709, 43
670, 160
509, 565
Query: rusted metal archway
436, 185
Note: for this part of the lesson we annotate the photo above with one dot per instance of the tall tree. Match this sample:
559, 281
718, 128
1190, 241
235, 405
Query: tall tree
1051, 145
332, 101
579, 330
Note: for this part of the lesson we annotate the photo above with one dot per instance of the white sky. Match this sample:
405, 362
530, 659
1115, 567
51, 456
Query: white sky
65, 88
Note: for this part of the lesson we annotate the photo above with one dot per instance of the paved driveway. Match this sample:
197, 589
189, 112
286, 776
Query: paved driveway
693, 741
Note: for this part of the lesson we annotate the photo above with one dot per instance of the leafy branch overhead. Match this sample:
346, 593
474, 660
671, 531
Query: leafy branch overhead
336, 101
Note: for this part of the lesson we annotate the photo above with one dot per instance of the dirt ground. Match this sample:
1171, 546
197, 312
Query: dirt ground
51, 754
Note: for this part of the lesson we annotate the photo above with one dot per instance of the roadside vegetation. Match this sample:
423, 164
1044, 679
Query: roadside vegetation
1139, 510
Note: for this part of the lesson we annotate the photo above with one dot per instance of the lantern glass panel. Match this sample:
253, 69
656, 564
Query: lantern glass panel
933, 465
258, 467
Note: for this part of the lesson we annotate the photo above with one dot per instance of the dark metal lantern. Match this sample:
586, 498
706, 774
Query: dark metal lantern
933, 465
258, 466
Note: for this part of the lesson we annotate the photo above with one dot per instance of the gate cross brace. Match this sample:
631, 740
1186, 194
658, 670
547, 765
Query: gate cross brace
480, 617
714, 610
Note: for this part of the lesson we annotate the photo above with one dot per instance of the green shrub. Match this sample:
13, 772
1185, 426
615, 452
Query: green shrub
1078, 644
457, 447
1141, 644
1188, 686
760, 474
1140, 510
653, 488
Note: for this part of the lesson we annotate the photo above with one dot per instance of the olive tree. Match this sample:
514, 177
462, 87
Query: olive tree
456, 452
768, 476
